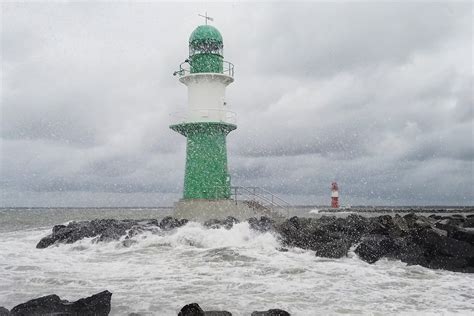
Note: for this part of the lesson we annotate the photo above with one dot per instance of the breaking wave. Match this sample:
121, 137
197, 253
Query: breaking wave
239, 270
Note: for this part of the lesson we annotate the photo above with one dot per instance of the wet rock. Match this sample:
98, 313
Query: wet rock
333, 249
4, 311
98, 305
436, 242
464, 234
194, 309
329, 236
271, 312
372, 248
169, 223
469, 222
399, 227
263, 224
227, 223
300, 232
103, 229
217, 313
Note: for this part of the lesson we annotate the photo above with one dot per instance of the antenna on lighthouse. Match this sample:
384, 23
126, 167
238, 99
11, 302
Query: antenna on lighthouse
206, 18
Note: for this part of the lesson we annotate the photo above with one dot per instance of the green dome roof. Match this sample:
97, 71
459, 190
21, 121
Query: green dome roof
205, 33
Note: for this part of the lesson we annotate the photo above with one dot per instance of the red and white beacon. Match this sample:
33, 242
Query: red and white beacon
334, 195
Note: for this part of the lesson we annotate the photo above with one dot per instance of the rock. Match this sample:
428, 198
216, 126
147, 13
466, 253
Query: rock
271, 312
217, 313
227, 223
98, 305
469, 222
263, 224
333, 249
399, 227
194, 309
169, 223
437, 242
103, 229
299, 232
4, 311
374, 247
464, 234
328, 236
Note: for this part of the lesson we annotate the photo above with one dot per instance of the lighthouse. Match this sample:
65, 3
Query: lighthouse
207, 121
334, 195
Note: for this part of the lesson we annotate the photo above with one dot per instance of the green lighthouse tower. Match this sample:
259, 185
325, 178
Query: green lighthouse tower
207, 121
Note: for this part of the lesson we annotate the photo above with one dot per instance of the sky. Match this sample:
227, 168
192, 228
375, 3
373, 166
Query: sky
377, 96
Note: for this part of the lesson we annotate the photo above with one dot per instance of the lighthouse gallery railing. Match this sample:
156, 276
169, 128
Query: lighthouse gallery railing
185, 69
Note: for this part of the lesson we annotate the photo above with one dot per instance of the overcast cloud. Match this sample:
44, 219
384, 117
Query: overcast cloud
377, 96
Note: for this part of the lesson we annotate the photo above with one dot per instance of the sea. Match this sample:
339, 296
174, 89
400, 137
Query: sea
238, 270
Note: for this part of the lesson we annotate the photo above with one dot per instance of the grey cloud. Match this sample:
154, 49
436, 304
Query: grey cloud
375, 96
327, 38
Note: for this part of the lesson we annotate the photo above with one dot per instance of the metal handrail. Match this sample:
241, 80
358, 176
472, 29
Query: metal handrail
185, 69
252, 193
275, 196
205, 115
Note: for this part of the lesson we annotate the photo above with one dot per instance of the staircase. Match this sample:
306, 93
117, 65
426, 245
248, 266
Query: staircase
261, 200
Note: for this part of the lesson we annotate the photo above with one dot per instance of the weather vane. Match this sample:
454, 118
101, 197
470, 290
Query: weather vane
206, 18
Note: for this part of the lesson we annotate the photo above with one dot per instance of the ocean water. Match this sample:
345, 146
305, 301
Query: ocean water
238, 270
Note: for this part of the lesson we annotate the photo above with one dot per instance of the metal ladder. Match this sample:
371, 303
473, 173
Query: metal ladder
260, 198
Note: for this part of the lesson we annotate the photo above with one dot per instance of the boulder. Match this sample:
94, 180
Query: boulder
469, 222
4, 311
271, 312
328, 236
103, 229
263, 224
372, 248
217, 313
194, 309
464, 234
227, 223
98, 305
333, 249
169, 223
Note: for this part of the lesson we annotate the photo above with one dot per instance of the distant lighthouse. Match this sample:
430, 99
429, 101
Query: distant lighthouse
207, 121
334, 195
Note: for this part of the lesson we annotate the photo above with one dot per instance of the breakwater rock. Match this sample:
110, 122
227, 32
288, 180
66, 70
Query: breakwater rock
98, 305
194, 309
106, 230
438, 242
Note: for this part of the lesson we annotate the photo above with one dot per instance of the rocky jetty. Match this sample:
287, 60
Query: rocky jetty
438, 242
98, 305
106, 230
